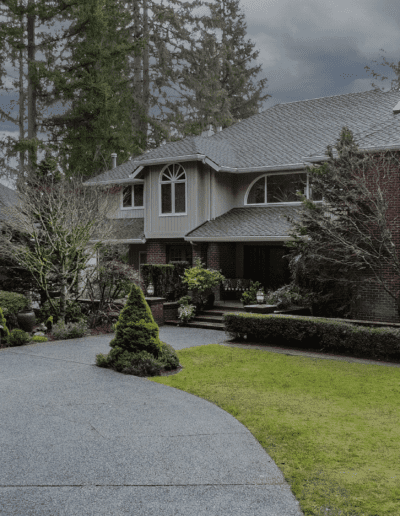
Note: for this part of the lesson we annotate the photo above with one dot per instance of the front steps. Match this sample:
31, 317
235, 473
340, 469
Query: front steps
208, 319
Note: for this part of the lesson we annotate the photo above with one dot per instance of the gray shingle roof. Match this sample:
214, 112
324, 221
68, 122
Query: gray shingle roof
285, 133
128, 229
267, 222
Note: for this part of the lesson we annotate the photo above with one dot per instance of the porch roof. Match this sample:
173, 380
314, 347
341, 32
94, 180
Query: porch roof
267, 223
127, 231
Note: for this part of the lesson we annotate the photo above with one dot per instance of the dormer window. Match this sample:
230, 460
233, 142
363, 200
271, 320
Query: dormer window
278, 188
132, 196
173, 190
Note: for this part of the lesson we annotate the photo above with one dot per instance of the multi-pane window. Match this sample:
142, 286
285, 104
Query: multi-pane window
173, 190
132, 196
279, 188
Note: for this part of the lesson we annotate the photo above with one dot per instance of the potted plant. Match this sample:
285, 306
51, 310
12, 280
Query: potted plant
26, 318
200, 282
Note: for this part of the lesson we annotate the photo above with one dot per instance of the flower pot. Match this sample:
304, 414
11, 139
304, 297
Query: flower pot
26, 320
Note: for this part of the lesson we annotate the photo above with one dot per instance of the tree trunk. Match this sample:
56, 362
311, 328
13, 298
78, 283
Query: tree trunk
21, 105
31, 86
63, 295
145, 91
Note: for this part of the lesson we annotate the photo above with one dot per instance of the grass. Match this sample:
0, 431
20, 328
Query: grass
332, 427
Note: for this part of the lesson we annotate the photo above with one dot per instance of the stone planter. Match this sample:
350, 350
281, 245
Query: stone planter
26, 320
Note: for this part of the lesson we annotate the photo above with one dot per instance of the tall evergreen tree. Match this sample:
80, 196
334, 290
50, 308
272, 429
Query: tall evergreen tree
215, 81
95, 83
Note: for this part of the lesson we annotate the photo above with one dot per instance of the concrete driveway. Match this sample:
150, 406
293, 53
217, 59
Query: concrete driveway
76, 439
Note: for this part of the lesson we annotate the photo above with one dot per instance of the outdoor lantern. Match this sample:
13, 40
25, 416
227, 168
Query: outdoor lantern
260, 297
150, 289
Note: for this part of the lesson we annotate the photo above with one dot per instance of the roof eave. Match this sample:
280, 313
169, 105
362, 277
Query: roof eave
317, 159
238, 239
120, 241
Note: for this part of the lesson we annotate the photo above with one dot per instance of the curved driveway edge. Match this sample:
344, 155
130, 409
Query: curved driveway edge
79, 440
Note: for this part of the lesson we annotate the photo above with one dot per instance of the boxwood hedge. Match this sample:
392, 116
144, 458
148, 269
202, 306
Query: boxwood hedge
315, 333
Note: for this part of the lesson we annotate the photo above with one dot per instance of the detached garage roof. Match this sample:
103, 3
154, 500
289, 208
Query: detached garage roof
257, 224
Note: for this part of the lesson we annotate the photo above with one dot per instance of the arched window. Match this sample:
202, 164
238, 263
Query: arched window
278, 188
173, 190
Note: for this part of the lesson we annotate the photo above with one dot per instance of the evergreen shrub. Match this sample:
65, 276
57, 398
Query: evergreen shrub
39, 338
18, 338
5, 331
159, 275
136, 347
62, 331
12, 303
315, 333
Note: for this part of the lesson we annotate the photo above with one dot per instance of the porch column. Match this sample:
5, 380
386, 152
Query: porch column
214, 262
156, 252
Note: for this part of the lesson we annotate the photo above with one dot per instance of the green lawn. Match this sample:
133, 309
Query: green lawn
332, 427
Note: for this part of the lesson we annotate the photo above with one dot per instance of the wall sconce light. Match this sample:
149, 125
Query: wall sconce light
150, 289
260, 297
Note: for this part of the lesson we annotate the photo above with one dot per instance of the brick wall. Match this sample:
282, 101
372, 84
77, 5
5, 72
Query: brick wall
157, 309
213, 256
200, 251
156, 252
374, 303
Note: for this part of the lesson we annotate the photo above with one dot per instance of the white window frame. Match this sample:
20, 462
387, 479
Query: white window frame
294, 203
132, 207
175, 168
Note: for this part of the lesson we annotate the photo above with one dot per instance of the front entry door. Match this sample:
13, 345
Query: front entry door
266, 265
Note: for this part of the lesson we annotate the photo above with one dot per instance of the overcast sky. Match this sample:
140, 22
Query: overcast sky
317, 48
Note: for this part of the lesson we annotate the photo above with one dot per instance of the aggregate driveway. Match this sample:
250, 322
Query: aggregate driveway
76, 439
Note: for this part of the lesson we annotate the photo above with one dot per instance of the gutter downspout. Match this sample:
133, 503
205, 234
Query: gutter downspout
209, 193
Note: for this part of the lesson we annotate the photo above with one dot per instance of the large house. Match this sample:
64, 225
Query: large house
224, 196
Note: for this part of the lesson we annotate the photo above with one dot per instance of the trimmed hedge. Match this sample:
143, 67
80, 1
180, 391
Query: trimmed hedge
315, 333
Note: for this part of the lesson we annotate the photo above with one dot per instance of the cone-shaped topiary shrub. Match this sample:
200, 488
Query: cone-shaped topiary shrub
136, 347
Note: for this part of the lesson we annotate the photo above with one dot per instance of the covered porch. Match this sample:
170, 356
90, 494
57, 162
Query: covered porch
246, 244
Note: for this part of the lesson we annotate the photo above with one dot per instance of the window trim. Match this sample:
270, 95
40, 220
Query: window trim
292, 203
133, 207
172, 183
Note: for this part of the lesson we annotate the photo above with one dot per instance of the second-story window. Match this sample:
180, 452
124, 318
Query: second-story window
280, 188
173, 190
132, 196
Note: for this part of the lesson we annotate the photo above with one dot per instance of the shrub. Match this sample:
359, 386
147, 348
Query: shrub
5, 332
18, 338
73, 312
39, 338
136, 339
12, 303
200, 280
178, 287
62, 331
286, 296
250, 296
112, 281
315, 333
159, 275
186, 312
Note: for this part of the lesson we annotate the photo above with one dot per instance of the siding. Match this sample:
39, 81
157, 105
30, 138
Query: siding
117, 213
157, 226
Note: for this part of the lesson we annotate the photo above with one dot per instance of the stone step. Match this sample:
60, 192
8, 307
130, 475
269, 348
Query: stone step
198, 324
205, 317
